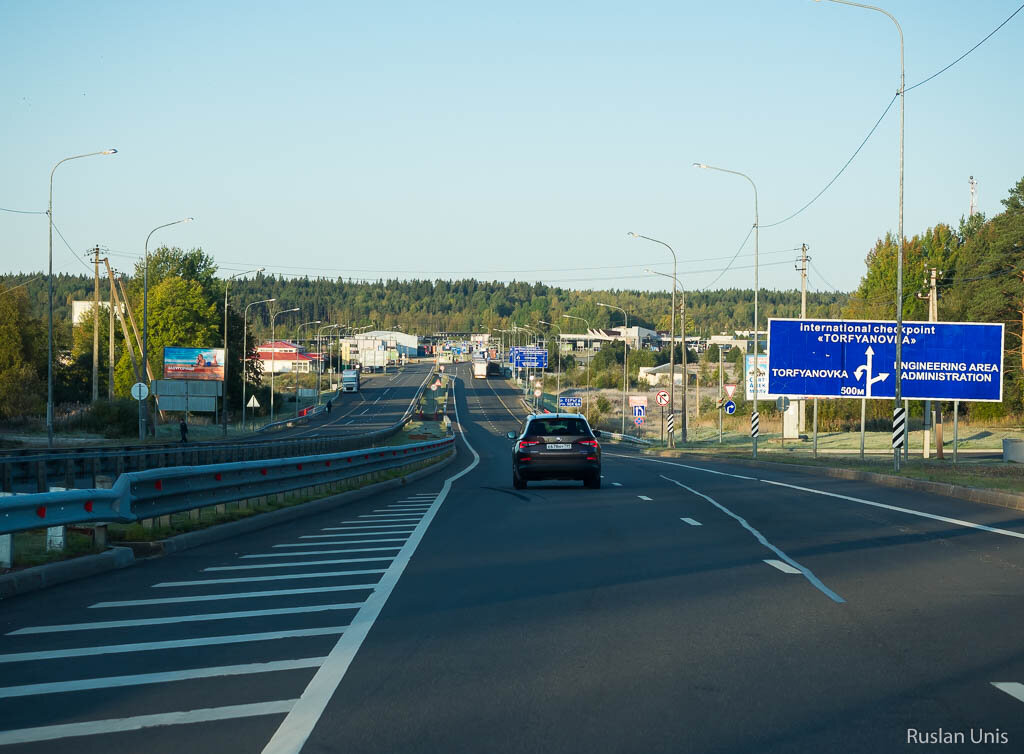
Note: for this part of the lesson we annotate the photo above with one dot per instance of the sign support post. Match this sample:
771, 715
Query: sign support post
815, 427
863, 406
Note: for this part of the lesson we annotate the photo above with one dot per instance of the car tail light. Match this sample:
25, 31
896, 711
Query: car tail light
523, 444
591, 443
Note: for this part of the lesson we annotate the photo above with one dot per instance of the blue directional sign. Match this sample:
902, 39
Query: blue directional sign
857, 358
570, 402
639, 411
730, 407
529, 357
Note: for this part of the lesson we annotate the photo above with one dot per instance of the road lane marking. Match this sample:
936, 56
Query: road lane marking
691, 522
155, 646
357, 534
616, 484
342, 542
296, 565
970, 524
293, 732
255, 579
644, 497
784, 567
104, 625
760, 538
408, 516
142, 679
376, 527
123, 724
1016, 690
684, 466
303, 553
234, 596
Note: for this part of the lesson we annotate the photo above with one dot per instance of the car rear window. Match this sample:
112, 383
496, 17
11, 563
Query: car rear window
558, 427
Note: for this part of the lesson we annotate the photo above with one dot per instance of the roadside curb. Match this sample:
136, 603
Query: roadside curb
52, 574
970, 494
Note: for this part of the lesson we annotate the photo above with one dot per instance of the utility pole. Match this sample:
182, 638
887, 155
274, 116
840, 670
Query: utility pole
110, 310
96, 325
972, 210
802, 269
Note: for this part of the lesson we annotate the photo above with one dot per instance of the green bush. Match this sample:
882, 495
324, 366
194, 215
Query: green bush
117, 418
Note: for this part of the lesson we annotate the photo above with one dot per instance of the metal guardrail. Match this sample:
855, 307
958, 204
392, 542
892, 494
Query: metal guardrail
157, 492
35, 472
627, 438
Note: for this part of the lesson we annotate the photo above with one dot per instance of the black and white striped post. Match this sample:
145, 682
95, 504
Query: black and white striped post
755, 428
672, 424
899, 428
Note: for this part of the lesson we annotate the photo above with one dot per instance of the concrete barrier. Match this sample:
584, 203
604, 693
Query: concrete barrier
1013, 450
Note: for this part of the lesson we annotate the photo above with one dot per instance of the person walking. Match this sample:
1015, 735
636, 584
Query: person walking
328, 408
183, 428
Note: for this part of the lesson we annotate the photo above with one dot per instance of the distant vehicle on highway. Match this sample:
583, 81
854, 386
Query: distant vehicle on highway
556, 446
350, 381
479, 369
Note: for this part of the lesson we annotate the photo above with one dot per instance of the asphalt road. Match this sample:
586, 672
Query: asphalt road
684, 607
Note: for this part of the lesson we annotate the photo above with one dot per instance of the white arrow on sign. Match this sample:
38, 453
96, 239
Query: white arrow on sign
863, 369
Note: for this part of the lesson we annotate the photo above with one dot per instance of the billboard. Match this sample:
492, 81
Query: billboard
941, 361
762, 376
193, 363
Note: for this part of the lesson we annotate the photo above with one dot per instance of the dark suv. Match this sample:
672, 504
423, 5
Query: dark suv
556, 446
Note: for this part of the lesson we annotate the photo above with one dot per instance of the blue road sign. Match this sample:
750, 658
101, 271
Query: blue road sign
857, 358
730, 407
530, 357
570, 402
639, 411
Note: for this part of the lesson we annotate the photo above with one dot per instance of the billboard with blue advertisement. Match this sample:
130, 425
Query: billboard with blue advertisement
193, 363
941, 361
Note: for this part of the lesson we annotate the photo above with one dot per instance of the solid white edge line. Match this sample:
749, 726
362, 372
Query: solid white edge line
684, 466
124, 724
142, 679
946, 519
293, 732
808, 574
1014, 689
153, 646
784, 567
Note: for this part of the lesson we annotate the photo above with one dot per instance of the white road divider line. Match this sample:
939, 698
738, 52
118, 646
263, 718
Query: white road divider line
293, 732
336, 541
684, 466
157, 646
234, 596
360, 534
407, 527
124, 724
1016, 690
784, 567
391, 516
302, 553
334, 561
691, 522
616, 484
104, 625
957, 521
644, 497
815, 581
282, 577
143, 679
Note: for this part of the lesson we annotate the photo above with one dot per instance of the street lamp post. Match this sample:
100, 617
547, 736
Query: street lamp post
297, 331
245, 347
899, 258
590, 354
625, 358
672, 348
756, 233
682, 316
49, 341
145, 316
224, 398
558, 361
320, 355
273, 356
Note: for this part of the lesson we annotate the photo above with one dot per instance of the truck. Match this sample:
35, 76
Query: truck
480, 369
350, 381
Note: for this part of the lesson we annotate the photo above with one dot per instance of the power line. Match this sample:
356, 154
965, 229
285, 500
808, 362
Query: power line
81, 261
744, 243
23, 211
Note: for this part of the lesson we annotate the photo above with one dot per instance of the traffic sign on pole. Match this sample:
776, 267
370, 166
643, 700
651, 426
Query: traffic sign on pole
140, 391
570, 402
662, 398
638, 420
639, 411
730, 407
730, 390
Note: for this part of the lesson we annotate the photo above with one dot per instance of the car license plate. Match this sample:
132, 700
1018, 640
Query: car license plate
559, 446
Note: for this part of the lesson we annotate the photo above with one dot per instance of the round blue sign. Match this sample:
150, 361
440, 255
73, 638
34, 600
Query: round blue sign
730, 407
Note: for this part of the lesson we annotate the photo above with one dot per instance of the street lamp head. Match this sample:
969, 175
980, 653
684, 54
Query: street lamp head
188, 220
700, 165
631, 234
109, 151
289, 310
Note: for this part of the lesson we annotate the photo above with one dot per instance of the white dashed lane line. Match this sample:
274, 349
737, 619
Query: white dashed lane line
691, 522
644, 497
784, 567
1016, 690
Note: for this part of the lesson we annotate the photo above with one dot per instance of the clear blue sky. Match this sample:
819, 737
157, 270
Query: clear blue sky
516, 141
